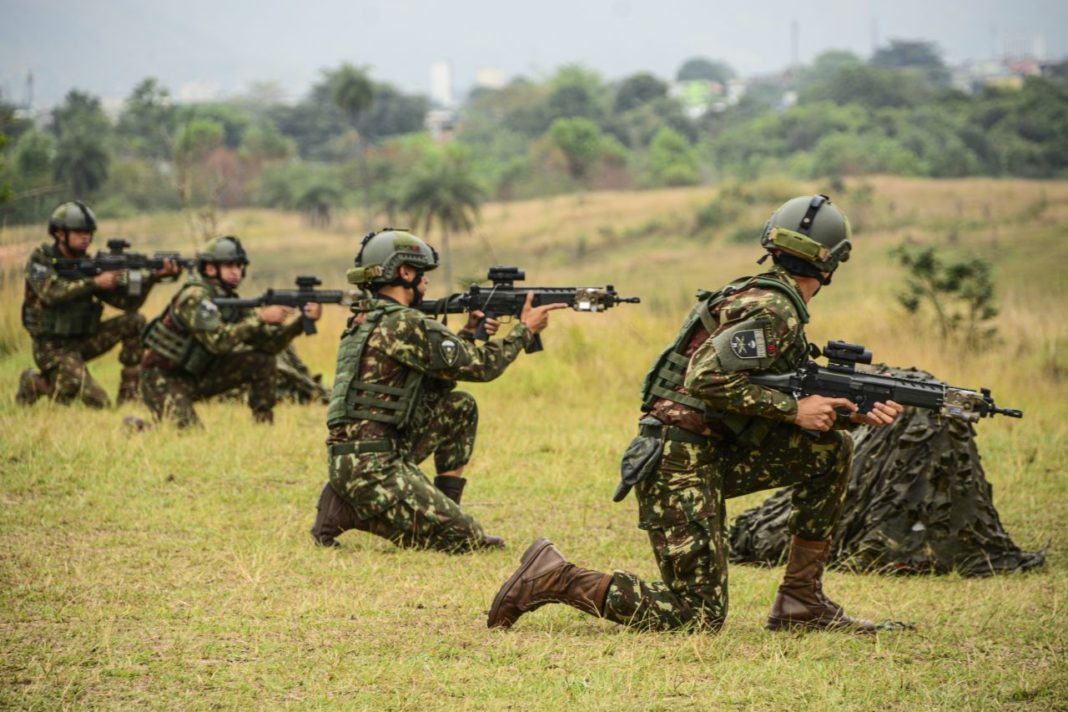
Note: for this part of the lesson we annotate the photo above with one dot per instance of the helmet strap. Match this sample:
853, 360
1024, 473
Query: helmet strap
798, 266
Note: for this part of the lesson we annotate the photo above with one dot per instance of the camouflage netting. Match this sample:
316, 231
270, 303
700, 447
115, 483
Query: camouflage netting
918, 502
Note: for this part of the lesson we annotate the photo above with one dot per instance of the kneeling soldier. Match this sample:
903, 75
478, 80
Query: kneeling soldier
195, 349
394, 404
63, 316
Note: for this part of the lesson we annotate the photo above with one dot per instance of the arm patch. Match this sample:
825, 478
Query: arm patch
446, 349
746, 346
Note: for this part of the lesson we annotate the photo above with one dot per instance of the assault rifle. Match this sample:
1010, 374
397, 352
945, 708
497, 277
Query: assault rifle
305, 293
841, 379
116, 259
503, 298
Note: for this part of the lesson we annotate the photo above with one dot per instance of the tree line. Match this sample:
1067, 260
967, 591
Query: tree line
356, 143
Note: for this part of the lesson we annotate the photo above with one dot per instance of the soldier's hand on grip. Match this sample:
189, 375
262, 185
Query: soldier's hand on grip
537, 318
881, 414
170, 268
313, 310
491, 325
106, 281
818, 412
274, 314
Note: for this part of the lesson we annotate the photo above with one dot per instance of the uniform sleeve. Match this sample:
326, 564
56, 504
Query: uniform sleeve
751, 336
195, 310
429, 347
50, 287
275, 339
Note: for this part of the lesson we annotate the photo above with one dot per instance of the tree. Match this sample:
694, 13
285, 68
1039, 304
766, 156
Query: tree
577, 92
825, 66
443, 190
703, 69
924, 57
579, 140
353, 92
82, 155
637, 90
148, 121
960, 292
672, 160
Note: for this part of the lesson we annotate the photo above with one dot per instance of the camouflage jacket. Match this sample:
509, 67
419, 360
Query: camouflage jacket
46, 290
238, 331
759, 330
407, 340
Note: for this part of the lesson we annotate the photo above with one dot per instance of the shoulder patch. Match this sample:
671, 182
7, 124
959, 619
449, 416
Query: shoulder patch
446, 350
746, 346
207, 316
38, 273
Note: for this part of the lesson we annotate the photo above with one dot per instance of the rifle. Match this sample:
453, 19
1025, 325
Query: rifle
841, 379
305, 293
116, 259
503, 298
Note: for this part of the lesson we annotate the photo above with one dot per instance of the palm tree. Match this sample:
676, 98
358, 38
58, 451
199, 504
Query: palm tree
353, 92
443, 190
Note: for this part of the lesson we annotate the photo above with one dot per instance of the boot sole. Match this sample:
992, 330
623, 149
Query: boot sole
785, 624
525, 561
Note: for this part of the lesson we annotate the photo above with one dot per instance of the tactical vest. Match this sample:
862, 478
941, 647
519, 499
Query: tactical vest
75, 318
175, 341
669, 370
351, 399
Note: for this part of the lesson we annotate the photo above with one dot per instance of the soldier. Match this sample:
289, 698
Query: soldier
195, 350
393, 405
63, 316
709, 434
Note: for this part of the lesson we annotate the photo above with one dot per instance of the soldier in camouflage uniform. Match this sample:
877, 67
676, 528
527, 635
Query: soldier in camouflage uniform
63, 316
709, 434
394, 404
194, 349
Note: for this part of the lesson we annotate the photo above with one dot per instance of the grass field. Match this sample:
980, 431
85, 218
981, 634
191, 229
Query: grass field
169, 570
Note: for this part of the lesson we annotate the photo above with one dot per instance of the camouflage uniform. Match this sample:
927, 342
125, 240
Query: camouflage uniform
742, 441
393, 404
63, 314
194, 351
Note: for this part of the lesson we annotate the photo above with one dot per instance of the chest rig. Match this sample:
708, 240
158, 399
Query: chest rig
352, 399
73, 318
669, 370
173, 339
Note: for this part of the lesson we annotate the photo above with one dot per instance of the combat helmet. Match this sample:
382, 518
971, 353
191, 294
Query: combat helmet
74, 216
383, 252
811, 235
221, 250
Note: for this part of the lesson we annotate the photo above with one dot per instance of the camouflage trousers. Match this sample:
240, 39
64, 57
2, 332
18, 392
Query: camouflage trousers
62, 362
682, 507
170, 394
390, 495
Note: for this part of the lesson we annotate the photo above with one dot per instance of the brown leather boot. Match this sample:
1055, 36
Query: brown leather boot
801, 602
545, 576
334, 515
128, 392
451, 487
32, 386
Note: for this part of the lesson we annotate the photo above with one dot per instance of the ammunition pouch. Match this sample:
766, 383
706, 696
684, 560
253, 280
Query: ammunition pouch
79, 318
180, 348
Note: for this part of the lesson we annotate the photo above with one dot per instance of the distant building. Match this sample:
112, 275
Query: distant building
490, 78
441, 84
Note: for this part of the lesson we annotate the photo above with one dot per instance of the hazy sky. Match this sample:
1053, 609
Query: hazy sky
196, 47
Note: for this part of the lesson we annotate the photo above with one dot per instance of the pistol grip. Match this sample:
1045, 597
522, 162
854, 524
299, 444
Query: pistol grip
308, 324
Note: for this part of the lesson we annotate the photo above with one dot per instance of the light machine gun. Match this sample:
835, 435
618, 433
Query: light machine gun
841, 379
116, 259
503, 298
305, 293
